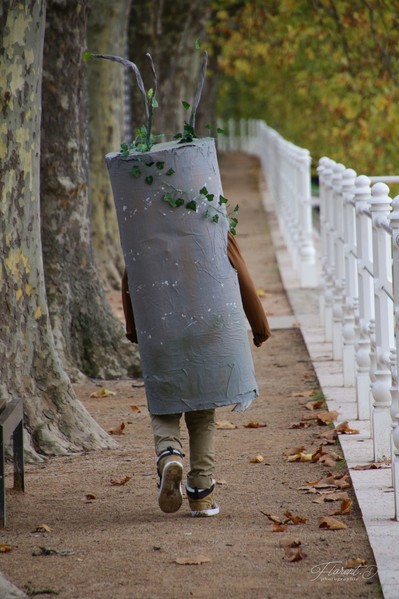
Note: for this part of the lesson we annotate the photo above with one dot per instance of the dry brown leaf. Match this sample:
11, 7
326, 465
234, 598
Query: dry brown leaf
354, 562
306, 393
326, 417
344, 508
135, 408
343, 483
318, 454
221, 481
336, 496
225, 425
294, 450
276, 527
294, 519
258, 459
121, 481
314, 405
119, 430
193, 560
90, 497
327, 460
294, 554
254, 425
300, 457
275, 519
42, 528
345, 429
5, 548
308, 489
301, 424
103, 392
330, 523
373, 465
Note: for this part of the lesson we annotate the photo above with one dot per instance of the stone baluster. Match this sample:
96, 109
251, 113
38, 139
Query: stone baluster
329, 256
323, 166
351, 290
339, 262
307, 253
366, 295
384, 327
394, 221
394, 404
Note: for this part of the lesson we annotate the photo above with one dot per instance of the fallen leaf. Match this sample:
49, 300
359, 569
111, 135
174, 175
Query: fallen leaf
272, 518
119, 430
319, 453
221, 481
336, 496
354, 562
42, 528
5, 548
121, 481
294, 519
328, 437
225, 425
344, 508
103, 392
276, 527
327, 417
300, 457
254, 425
314, 405
327, 460
135, 408
194, 560
306, 393
33, 592
345, 429
294, 450
330, 523
90, 497
301, 424
257, 459
373, 465
294, 554
343, 483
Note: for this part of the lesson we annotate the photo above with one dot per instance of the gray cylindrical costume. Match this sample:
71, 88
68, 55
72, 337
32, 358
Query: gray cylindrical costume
190, 323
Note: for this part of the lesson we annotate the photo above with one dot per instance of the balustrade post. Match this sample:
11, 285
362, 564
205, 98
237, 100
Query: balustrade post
394, 220
366, 295
351, 291
323, 166
329, 256
382, 258
307, 252
339, 261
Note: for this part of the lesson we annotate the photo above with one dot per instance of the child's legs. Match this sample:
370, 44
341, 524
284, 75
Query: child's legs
201, 429
166, 429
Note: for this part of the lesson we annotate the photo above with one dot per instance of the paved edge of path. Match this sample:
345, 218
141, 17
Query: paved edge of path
373, 488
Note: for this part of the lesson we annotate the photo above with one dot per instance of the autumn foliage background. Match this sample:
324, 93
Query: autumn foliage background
323, 73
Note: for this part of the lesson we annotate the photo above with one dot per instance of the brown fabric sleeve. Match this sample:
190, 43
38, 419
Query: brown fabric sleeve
128, 310
250, 300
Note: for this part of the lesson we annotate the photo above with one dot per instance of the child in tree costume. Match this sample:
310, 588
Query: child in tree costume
187, 286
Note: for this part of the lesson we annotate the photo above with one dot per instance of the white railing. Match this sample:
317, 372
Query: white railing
287, 172
359, 245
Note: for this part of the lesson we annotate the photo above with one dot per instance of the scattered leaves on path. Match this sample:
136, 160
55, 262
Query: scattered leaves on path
258, 459
373, 465
344, 508
335, 496
331, 523
89, 497
135, 408
120, 482
307, 393
355, 562
50, 551
276, 527
103, 392
118, 430
314, 405
290, 518
255, 425
221, 481
5, 548
301, 424
42, 528
193, 560
293, 551
328, 437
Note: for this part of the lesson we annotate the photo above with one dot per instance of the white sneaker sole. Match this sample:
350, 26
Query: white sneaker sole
206, 513
170, 494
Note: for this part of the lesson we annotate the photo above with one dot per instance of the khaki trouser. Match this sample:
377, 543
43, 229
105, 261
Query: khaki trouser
201, 430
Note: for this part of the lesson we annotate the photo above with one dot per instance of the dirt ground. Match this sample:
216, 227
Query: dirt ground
117, 543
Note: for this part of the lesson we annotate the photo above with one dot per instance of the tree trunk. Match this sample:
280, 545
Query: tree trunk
56, 421
168, 31
107, 34
88, 337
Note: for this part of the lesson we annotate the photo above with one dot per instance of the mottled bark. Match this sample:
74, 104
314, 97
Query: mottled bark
168, 30
107, 34
56, 422
88, 337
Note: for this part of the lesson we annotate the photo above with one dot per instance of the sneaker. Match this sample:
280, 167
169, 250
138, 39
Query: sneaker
201, 501
170, 470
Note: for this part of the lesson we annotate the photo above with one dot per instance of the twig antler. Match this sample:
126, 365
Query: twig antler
200, 86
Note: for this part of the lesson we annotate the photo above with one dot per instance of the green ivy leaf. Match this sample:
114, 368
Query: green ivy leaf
215, 219
204, 191
197, 44
233, 231
135, 172
149, 164
192, 205
220, 131
170, 172
178, 136
87, 55
236, 209
160, 165
154, 103
124, 150
209, 127
186, 105
149, 180
210, 197
222, 200
179, 202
